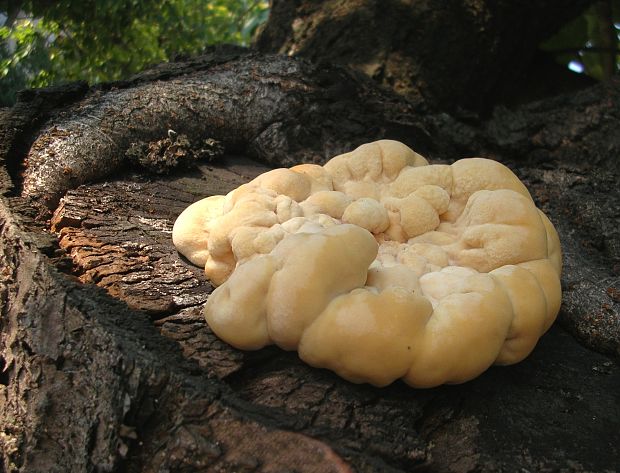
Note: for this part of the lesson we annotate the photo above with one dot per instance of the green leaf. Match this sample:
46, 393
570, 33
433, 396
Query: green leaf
578, 40
572, 35
100, 40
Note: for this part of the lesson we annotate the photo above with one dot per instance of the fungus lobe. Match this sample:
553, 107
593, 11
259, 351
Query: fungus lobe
379, 265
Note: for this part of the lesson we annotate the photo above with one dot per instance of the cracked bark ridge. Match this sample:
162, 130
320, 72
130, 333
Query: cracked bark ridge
105, 368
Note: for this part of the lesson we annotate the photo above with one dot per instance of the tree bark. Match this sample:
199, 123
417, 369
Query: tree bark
442, 55
108, 364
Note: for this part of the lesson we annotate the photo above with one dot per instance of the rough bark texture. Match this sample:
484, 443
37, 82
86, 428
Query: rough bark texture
108, 365
263, 106
452, 54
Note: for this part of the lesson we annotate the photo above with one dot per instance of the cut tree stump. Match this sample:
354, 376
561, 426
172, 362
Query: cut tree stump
108, 365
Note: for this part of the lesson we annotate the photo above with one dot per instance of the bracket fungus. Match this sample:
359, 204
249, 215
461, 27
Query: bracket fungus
380, 266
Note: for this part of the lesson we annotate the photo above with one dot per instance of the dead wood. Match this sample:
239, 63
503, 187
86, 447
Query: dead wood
108, 365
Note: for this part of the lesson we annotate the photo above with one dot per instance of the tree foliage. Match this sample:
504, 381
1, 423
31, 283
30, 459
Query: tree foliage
591, 42
45, 42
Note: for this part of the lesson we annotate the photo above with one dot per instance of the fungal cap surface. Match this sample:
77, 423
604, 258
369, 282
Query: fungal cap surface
380, 266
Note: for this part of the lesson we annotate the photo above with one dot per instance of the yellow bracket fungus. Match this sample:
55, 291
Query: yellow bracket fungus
379, 266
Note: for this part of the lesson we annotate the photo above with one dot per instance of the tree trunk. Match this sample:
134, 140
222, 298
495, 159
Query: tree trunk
448, 55
108, 364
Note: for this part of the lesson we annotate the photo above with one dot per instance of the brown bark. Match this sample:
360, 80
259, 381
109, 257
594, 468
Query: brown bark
108, 365
265, 106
